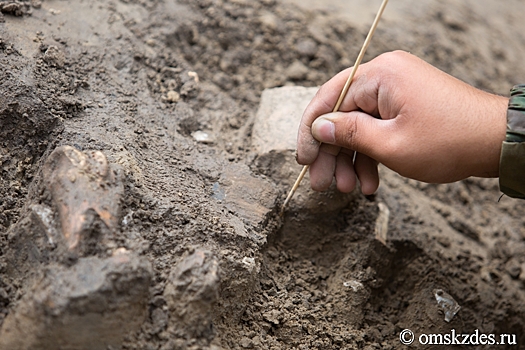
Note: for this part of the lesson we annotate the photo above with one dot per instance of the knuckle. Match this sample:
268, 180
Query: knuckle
393, 60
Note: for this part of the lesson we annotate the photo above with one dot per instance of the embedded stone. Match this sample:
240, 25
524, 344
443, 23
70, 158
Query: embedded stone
91, 305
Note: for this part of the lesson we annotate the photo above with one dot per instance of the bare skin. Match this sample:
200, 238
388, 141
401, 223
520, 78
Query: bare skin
406, 114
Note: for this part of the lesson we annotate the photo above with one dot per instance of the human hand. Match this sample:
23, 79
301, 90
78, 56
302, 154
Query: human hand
406, 114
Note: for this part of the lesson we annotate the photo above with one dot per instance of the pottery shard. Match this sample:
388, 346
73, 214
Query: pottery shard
84, 188
251, 198
91, 305
278, 118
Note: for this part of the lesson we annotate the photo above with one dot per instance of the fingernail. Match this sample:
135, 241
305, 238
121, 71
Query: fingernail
324, 130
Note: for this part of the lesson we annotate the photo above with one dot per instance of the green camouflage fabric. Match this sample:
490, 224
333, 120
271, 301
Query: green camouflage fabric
512, 161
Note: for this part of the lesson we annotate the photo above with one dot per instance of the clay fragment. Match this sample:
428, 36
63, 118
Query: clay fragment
84, 188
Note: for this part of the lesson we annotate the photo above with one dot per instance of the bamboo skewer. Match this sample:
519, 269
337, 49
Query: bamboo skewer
342, 95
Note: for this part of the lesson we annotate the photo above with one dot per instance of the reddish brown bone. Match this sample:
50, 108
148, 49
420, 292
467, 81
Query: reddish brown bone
80, 182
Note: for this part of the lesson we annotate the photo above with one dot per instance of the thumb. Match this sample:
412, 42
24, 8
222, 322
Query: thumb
357, 131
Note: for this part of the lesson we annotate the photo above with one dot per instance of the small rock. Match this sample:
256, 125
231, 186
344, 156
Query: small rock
194, 75
446, 303
274, 139
272, 316
54, 57
191, 292
269, 21
42, 218
249, 263
246, 343
12, 8
201, 136
306, 47
297, 71
172, 96
354, 284
159, 319
250, 197
36, 4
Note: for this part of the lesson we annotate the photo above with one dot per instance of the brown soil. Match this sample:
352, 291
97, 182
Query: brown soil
160, 241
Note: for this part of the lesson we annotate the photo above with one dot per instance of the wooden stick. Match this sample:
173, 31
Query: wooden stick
342, 95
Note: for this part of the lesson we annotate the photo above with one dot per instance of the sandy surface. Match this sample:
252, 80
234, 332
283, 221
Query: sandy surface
136, 214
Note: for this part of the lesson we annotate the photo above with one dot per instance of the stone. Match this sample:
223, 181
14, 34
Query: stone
191, 293
172, 96
306, 47
513, 268
201, 136
297, 71
54, 57
269, 21
90, 305
277, 120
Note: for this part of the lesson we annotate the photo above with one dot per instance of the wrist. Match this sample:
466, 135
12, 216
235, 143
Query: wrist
489, 135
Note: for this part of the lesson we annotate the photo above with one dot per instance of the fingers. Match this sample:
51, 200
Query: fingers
351, 131
346, 172
366, 170
322, 170
323, 102
362, 96
356, 131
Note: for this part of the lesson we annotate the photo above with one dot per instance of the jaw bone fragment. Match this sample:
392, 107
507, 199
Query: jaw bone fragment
83, 184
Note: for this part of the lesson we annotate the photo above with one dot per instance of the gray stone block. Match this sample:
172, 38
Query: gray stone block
278, 118
93, 304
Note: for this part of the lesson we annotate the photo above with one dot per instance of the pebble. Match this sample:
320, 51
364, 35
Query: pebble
201, 136
297, 71
306, 47
172, 96
54, 56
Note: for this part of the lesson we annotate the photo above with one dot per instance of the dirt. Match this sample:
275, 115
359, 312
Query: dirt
135, 213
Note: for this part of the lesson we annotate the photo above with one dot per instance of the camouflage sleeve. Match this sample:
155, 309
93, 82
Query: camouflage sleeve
512, 161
